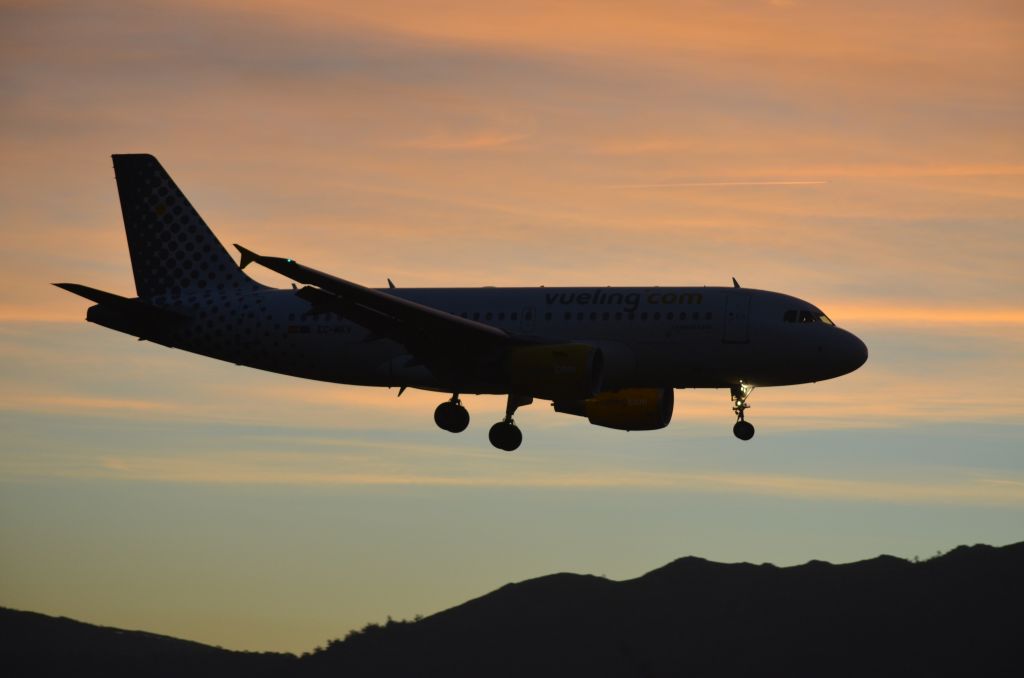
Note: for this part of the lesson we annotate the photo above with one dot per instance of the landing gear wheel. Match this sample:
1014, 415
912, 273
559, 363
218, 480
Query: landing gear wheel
505, 436
461, 419
451, 416
743, 430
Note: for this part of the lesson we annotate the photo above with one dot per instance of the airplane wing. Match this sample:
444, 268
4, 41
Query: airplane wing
426, 331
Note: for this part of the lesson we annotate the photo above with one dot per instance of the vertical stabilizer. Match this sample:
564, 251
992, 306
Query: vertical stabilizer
173, 251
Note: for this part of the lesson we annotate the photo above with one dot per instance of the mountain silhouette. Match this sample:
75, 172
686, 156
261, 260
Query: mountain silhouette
955, 614
39, 645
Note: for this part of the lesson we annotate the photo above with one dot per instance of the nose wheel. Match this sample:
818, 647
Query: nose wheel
505, 435
451, 415
742, 429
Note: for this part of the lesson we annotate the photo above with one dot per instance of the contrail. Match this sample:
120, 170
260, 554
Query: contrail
722, 183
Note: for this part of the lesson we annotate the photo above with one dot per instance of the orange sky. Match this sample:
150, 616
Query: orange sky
868, 157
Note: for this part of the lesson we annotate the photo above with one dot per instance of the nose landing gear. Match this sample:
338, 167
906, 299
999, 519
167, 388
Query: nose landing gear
742, 429
451, 415
505, 435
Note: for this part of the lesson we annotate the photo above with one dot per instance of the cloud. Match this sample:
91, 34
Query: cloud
33, 314
891, 315
472, 142
361, 125
725, 184
339, 469
65, 403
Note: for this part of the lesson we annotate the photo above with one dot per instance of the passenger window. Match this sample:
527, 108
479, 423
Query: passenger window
682, 315
657, 315
528, 315
464, 314
593, 315
476, 315
547, 316
501, 316
707, 316
789, 317
568, 315
488, 316
579, 316
515, 315
618, 315
605, 315
668, 316
643, 316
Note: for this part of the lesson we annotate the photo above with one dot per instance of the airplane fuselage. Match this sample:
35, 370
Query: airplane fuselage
675, 337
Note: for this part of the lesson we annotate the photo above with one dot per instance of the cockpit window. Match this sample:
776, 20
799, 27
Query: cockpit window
806, 317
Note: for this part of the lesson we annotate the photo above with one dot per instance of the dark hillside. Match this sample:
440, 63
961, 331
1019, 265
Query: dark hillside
958, 614
38, 645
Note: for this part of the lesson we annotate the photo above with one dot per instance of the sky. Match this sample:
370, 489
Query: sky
865, 156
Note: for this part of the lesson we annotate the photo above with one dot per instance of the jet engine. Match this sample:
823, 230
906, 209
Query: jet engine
629, 409
556, 371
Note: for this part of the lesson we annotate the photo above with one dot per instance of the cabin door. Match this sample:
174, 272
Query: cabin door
737, 317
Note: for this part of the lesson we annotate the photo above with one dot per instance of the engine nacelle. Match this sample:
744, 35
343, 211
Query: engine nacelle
556, 371
629, 409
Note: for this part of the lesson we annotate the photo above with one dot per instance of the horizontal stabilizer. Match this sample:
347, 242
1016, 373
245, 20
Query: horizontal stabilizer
93, 294
129, 307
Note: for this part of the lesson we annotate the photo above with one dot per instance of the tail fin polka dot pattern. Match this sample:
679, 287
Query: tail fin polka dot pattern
172, 249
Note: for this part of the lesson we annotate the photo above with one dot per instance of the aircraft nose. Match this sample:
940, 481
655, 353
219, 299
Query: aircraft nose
855, 352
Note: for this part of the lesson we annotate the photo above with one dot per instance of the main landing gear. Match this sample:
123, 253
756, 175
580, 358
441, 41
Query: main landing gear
743, 429
451, 415
505, 435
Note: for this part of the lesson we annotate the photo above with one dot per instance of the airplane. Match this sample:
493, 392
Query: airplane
613, 355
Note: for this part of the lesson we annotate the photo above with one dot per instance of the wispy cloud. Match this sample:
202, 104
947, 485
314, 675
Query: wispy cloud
289, 470
723, 184
884, 314
34, 314
461, 142
81, 404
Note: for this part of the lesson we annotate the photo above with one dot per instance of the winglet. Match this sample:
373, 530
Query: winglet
248, 256
734, 283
